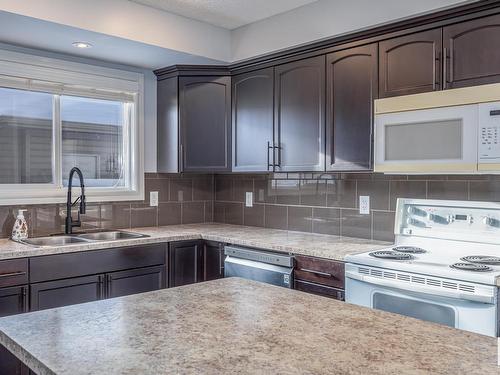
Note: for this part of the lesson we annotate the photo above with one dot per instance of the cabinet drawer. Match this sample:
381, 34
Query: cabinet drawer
320, 271
321, 290
13, 272
62, 266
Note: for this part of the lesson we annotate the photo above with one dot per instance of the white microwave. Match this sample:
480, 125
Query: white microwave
450, 131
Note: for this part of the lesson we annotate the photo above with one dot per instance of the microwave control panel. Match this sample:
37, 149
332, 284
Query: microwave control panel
489, 133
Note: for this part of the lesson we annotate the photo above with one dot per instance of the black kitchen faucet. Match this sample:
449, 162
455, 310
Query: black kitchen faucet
69, 220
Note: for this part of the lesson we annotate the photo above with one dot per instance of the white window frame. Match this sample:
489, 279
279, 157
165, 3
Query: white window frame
60, 77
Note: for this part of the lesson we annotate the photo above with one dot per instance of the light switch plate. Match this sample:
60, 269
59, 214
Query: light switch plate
249, 199
153, 198
364, 204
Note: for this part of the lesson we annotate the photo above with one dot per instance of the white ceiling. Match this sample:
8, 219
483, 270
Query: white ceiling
229, 14
49, 36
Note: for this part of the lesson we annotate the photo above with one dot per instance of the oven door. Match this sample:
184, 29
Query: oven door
454, 312
436, 140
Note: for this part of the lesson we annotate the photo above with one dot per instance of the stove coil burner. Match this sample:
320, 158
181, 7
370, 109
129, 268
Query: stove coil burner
409, 249
482, 259
471, 267
389, 254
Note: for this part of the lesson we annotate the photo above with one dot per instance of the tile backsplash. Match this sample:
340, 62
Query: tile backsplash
318, 203
182, 199
328, 203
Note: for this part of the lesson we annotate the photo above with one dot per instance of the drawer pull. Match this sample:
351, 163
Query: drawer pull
12, 274
325, 274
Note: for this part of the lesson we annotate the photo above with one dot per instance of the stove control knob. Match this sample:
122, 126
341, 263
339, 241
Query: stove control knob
417, 223
412, 210
491, 222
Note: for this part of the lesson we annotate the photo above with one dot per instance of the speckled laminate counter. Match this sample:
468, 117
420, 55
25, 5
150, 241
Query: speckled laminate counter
324, 246
239, 326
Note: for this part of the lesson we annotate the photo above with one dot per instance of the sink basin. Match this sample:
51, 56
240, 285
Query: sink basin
75, 239
111, 236
54, 241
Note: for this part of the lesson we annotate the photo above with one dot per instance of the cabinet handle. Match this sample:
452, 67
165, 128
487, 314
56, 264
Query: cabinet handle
102, 287
12, 274
446, 61
325, 274
438, 71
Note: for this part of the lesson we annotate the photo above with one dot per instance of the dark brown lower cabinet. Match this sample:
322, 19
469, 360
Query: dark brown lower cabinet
128, 282
185, 266
320, 276
213, 261
195, 261
66, 292
13, 300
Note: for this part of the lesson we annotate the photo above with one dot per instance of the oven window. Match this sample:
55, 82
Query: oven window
434, 140
416, 309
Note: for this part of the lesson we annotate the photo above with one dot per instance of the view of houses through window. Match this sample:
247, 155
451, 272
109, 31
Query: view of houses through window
92, 134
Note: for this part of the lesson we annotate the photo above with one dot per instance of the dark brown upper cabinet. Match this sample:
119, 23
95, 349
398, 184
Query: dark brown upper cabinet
410, 64
194, 124
472, 51
253, 121
299, 105
351, 87
205, 123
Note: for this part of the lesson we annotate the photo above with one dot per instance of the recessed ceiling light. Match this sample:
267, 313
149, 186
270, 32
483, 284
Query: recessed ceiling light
81, 44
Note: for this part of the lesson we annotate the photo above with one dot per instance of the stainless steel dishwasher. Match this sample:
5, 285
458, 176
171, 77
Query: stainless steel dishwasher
268, 267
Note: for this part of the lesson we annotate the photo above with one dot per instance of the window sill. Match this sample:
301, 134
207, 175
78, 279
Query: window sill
42, 196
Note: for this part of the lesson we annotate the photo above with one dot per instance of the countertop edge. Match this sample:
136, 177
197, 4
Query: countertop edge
336, 250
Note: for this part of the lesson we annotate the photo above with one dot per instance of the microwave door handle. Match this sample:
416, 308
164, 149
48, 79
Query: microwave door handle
417, 288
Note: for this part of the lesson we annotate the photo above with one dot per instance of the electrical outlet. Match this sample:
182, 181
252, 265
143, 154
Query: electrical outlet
364, 204
153, 198
249, 199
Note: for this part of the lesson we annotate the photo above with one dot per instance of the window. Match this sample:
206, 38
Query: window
48, 126
94, 140
26, 145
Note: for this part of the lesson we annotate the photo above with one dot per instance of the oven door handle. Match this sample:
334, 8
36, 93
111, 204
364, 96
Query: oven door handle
416, 288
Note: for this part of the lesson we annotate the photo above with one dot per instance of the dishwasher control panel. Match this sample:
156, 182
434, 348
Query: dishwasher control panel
259, 256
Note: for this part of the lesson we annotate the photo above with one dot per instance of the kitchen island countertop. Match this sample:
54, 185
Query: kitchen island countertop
238, 326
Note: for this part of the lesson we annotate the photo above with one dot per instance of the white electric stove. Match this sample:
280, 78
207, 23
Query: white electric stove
444, 266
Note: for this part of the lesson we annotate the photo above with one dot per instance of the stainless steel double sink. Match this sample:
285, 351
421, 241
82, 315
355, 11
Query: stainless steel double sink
74, 239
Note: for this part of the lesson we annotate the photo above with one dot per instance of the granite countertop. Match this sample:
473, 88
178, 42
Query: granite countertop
239, 326
319, 245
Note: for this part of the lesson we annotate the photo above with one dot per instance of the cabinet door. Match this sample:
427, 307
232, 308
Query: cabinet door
213, 261
135, 281
472, 52
253, 119
12, 301
351, 84
410, 64
52, 294
184, 263
168, 126
300, 115
205, 123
